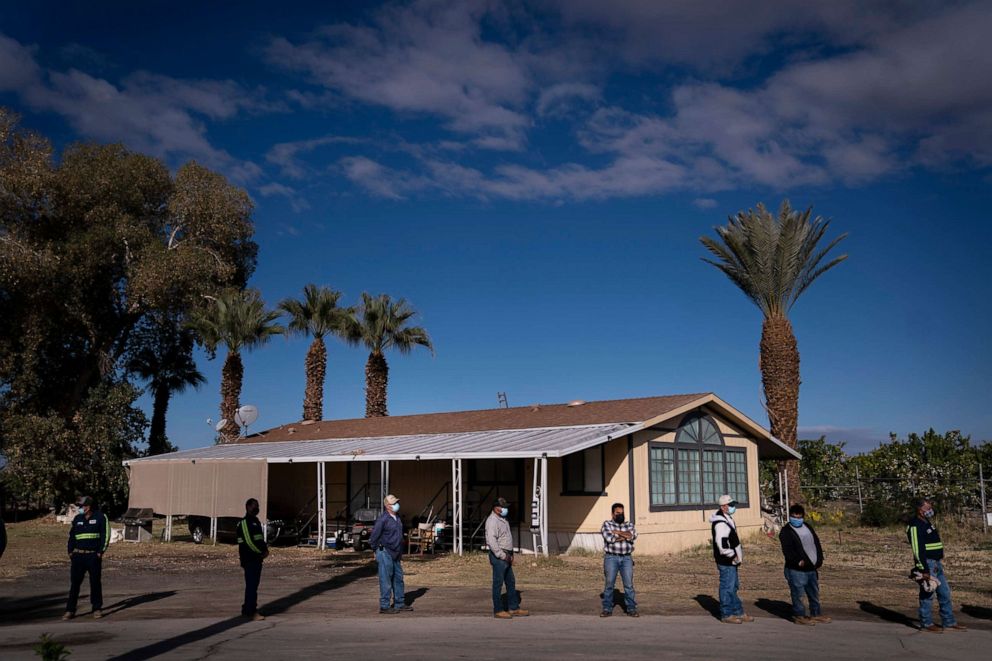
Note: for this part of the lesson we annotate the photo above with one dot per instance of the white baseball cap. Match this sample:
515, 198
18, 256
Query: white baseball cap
726, 500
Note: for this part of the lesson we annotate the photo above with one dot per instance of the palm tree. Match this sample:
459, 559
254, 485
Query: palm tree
316, 315
239, 321
164, 357
773, 260
380, 325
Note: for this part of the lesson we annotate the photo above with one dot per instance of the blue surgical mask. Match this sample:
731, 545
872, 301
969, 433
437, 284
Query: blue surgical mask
928, 513
731, 509
503, 511
795, 523
396, 507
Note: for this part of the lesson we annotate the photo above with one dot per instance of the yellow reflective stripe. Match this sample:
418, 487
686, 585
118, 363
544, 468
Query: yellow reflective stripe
914, 541
258, 536
106, 539
935, 547
88, 535
247, 534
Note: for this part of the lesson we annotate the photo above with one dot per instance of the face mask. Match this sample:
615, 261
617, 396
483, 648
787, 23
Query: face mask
731, 509
795, 523
253, 511
929, 513
503, 511
396, 507
618, 518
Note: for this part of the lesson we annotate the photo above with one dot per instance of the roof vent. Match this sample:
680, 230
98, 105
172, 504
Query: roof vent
307, 422
576, 402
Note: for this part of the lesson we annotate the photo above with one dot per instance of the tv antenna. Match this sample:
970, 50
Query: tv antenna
245, 416
501, 398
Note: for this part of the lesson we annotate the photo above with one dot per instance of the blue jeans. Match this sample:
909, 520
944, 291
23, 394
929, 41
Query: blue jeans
503, 573
943, 598
624, 565
390, 579
730, 603
800, 583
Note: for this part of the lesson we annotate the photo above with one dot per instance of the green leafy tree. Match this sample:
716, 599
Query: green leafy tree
316, 315
379, 325
239, 321
825, 465
773, 259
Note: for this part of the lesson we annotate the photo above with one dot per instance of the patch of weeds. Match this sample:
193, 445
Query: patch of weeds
50, 649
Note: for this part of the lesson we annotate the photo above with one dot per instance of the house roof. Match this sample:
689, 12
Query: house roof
529, 431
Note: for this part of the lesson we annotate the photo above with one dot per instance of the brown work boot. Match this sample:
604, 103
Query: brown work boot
733, 619
822, 619
933, 628
256, 617
97, 614
745, 617
956, 627
520, 612
802, 619
503, 615
68, 615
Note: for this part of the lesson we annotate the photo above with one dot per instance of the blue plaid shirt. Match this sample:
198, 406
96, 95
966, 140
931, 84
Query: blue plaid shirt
613, 543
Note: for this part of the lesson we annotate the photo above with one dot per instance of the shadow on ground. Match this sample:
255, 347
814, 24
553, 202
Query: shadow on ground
39, 607
709, 604
410, 597
276, 607
131, 602
782, 609
887, 614
977, 612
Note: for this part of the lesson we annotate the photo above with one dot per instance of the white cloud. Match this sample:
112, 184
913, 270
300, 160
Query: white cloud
296, 202
286, 155
705, 203
556, 100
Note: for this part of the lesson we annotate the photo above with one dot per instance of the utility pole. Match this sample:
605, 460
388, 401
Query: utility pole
501, 398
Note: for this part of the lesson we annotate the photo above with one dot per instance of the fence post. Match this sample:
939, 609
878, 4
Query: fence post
857, 477
981, 484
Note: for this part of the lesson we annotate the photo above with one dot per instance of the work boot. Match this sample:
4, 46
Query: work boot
97, 614
520, 612
257, 617
387, 611
802, 619
733, 619
633, 613
956, 627
933, 628
606, 613
403, 608
503, 615
68, 615
745, 617
822, 619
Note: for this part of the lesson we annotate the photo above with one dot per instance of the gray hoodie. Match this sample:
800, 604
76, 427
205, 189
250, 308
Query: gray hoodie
499, 539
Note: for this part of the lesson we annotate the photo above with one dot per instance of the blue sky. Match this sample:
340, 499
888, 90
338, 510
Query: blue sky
534, 179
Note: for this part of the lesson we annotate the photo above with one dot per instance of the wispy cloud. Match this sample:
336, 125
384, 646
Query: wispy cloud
287, 155
296, 202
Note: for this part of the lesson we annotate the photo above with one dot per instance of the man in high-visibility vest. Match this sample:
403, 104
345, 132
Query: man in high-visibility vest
928, 552
252, 550
89, 537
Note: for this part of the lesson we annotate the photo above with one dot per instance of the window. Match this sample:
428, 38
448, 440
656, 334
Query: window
582, 472
695, 470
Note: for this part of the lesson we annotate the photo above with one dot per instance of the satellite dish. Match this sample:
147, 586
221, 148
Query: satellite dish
246, 415
221, 424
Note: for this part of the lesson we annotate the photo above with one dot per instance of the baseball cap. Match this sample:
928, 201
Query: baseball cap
391, 500
83, 501
726, 500
502, 502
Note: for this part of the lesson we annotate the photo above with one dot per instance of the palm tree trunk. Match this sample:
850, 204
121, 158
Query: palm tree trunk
316, 369
779, 363
156, 435
376, 381
230, 393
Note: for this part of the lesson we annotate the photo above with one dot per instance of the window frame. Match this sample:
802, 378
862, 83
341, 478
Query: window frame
602, 470
696, 417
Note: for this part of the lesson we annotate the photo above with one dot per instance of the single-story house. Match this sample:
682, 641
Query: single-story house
667, 459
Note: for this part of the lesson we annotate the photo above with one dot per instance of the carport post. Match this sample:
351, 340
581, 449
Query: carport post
168, 528
456, 506
213, 529
544, 503
321, 508
383, 480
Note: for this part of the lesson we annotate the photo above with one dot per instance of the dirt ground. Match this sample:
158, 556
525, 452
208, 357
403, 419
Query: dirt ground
864, 578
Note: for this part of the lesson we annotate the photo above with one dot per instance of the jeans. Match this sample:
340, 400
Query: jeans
800, 583
81, 564
624, 565
943, 598
503, 573
390, 579
253, 576
730, 603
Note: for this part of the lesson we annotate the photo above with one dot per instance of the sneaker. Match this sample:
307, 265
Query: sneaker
806, 621
933, 628
822, 619
956, 627
404, 608
633, 614
257, 617
68, 615
733, 619
387, 611
503, 615
520, 612
97, 614
745, 617
606, 613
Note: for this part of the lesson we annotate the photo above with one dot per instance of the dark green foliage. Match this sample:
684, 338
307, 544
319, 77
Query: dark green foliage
50, 649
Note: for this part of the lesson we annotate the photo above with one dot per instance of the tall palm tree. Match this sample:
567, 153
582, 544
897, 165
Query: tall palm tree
773, 260
380, 325
317, 314
239, 321
163, 356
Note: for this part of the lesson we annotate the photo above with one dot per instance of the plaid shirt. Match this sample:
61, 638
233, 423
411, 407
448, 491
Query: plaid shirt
613, 543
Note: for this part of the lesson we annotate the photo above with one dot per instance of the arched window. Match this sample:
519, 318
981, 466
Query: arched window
695, 470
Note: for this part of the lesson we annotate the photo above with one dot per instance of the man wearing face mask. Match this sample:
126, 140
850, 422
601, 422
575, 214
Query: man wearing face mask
499, 539
803, 557
387, 540
728, 553
89, 536
618, 537
928, 553
252, 550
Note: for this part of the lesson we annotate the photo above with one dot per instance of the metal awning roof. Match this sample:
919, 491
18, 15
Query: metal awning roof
504, 444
